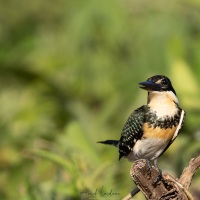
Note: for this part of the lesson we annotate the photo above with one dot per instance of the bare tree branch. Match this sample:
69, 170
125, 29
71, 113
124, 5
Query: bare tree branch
167, 187
189, 171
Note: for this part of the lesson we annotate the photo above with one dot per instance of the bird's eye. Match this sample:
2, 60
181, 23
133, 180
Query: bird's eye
164, 82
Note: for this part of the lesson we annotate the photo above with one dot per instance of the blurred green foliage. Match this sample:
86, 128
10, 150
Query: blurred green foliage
69, 73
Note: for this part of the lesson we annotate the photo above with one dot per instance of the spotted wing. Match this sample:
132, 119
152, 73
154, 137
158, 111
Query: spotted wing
132, 131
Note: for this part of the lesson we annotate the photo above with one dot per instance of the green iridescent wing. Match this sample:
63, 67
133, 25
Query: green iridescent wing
132, 131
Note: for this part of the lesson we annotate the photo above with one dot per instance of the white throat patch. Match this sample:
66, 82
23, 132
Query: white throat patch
163, 103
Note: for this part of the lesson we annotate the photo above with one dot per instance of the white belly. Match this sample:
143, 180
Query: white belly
147, 149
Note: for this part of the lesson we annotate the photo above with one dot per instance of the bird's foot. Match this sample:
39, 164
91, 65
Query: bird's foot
149, 168
158, 178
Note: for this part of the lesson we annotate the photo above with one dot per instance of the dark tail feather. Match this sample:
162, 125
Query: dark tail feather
110, 142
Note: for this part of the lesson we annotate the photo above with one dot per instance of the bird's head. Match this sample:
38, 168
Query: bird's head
157, 83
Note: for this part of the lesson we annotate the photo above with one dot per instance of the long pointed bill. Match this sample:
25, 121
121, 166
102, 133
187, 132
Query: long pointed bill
150, 86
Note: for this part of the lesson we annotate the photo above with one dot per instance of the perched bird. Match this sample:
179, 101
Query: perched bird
152, 128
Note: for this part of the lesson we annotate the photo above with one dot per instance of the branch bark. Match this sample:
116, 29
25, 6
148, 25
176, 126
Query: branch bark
168, 187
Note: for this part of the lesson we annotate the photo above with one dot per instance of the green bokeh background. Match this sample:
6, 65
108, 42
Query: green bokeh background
69, 73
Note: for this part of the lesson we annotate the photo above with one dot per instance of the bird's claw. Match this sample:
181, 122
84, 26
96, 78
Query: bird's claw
149, 168
158, 178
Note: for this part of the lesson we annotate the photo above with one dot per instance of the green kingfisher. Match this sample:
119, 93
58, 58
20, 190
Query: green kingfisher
151, 128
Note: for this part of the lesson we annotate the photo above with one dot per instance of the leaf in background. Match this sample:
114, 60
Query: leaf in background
77, 141
55, 158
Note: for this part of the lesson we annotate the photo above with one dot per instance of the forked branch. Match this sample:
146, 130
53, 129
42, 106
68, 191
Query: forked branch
168, 187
